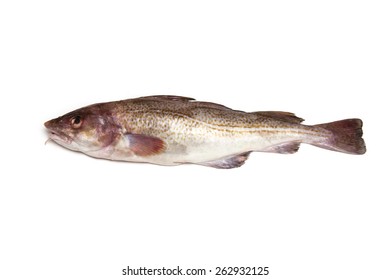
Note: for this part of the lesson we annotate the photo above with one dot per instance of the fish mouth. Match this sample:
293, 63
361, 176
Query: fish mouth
57, 135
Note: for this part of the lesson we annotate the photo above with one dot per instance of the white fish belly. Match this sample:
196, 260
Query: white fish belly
219, 148
211, 147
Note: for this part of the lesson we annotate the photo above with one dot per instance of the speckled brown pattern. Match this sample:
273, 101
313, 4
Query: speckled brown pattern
171, 130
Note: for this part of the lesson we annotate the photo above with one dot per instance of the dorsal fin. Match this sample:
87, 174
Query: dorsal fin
167, 97
279, 115
199, 104
202, 104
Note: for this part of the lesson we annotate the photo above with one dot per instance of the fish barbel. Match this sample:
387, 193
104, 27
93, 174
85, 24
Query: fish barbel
173, 130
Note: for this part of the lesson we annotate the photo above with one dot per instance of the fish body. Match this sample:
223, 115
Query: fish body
173, 130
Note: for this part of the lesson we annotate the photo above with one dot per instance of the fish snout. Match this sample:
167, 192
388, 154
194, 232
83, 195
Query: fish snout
48, 124
55, 133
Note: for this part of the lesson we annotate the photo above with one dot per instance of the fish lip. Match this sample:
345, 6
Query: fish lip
59, 136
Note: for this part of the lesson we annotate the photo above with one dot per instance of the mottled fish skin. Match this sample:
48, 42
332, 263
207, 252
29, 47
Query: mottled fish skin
172, 130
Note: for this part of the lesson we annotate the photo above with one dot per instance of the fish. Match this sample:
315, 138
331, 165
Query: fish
173, 130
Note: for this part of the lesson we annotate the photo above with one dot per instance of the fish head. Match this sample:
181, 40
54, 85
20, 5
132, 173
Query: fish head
86, 130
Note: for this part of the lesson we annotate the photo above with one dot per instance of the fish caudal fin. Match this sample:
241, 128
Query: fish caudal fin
346, 137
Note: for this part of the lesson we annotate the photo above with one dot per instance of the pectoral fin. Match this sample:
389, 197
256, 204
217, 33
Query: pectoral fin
144, 145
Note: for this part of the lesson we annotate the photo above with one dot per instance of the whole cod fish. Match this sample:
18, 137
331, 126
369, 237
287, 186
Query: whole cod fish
173, 130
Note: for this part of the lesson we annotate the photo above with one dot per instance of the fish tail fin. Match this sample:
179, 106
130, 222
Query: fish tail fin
346, 137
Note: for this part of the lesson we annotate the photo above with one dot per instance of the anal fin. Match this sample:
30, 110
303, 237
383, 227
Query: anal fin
228, 162
285, 148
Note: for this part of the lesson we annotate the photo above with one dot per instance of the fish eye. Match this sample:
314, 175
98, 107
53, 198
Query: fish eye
76, 121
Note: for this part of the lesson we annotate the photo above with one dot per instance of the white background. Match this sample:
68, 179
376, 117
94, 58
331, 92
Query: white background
312, 215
